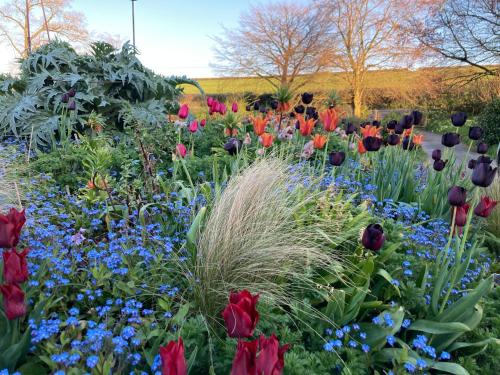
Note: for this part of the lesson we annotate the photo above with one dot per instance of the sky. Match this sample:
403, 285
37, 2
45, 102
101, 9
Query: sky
173, 36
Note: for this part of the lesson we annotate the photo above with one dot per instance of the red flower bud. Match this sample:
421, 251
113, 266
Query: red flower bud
271, 356
485, 207
172, 357
183, 111
10, 228
181, 150
13, 301
240, 314
234, 107
15, 267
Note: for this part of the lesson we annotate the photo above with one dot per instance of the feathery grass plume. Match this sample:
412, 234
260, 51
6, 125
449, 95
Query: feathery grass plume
10, 195
266, 233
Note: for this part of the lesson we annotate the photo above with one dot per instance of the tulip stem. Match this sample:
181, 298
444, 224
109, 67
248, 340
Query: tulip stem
324, 155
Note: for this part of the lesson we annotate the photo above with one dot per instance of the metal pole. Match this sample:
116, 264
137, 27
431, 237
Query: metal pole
27, 21
133, 22
45, 20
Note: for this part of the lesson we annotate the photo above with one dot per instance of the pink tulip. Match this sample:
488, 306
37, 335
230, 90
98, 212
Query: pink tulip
203, 123
222, 109
193, 127
210, 100
183, 111
181, 150
234, 107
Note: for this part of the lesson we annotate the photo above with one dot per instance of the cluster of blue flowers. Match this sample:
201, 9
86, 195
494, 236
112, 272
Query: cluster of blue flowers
348, 337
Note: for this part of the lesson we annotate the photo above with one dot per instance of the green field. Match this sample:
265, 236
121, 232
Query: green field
381, 79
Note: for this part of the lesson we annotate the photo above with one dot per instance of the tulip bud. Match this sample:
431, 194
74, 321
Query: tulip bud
256, 106
372, 143
210, 101
274, 104
391, 125
72, 92
15, 267
484, 159
482, 148
436, 154
459, 118
336, 158
10, 228
234, 107
457, 196
407, 144
193, 126
203, 122
417, 117
240, 314
248, 108
393, 139
71, 105
233, 145
407, 121
398, 128
376, 123
461, 215
222, 109
475, 133
13, 301
181, 150
65, 98
307, 98
299, 109
485, 207
450, 139
373, 237
350, 128
483, 174
183, 111
472, 164
439, 165
173, 360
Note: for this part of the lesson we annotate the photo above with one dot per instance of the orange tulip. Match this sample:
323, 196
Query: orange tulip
259, 124
361, 147
418, 139
267, 139
370, 131
319, 141
407, 132
306, 126
330, 119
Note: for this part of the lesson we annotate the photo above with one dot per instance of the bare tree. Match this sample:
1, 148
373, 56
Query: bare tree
366, 35
277, 41
54, 15
461, 31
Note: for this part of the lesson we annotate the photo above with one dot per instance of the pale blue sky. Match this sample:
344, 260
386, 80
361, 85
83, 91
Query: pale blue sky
173, 36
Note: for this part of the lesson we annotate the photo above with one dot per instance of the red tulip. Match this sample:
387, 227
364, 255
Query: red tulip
183, 111
267, 140
271, 356
15, 267
181, 150
203, 123
234, 107
461, 215
13, 301
172, 357
245, 358
240, 314
485, 207
10, 228
193, 126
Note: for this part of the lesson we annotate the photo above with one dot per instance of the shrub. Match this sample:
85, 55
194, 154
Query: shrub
489, 120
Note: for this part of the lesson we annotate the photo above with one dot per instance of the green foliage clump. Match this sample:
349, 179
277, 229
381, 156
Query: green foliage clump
489, 120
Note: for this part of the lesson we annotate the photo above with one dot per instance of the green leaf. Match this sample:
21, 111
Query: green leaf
389, 279
181, 314
433, 327
195, 228
451, 368
479, 344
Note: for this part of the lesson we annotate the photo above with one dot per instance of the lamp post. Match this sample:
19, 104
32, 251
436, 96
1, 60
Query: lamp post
133, 22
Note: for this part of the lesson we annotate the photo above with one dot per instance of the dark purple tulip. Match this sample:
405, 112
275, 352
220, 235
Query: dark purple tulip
72, 92
248, 108
439, 165
310, 111
458, 119
407, 145
391, 125
307, 97
472, 164
393, 139
72, 105
256, 106
372, 143
436, 154
350, 128
291, 115
450, 139
475, 133
376, 123
484, 159
399, 129
482, 148
65, 98
263, 109
417, 117
483, 175
336, 158
274, 104
233, 145
407, 121
373, 237
457, 196
300, 109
